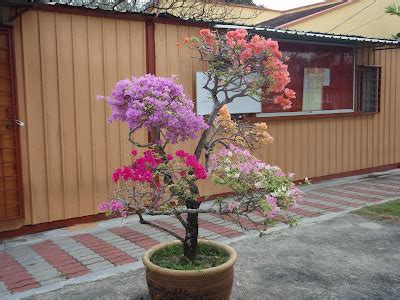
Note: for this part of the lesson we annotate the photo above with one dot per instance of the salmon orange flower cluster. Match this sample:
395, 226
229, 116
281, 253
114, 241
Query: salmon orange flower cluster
254, 61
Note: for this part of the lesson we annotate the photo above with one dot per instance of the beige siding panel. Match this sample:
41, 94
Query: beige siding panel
304, 169
345, 144
364, 137
313, 141
110, 78
321, 146
397, 100
297, 148
99, 127
332, 146
392, 118
67, 114
34, 117
338, 168
48, 58
83, 103
124, 66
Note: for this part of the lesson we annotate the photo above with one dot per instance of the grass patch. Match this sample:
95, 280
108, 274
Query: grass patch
171, 257
389, 211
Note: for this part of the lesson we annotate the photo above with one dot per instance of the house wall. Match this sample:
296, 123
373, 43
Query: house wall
362, 17
69, 151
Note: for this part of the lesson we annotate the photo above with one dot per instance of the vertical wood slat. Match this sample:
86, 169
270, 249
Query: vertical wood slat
34, 117
51, 106
83, 114
67, 114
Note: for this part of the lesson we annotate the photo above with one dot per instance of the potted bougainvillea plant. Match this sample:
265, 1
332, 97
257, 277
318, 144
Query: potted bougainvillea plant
237, 65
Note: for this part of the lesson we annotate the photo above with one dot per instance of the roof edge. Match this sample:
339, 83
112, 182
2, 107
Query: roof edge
348, 2
340, 37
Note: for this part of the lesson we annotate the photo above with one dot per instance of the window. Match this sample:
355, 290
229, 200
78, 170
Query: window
322, 77
368, 88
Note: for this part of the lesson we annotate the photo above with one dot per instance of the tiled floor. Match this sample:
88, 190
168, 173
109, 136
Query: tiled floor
32, 262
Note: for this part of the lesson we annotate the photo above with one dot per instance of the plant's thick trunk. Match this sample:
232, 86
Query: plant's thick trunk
192, 226
192, 232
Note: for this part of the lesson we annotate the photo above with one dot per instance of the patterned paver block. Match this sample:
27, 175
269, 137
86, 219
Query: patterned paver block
349, 195
179, 231
84, 255
243, 220
104, 249
321, 206
134, 236
369, 191
36, 265
325, 198
303, 212
381, 186
14, 276
224, 231
60, 259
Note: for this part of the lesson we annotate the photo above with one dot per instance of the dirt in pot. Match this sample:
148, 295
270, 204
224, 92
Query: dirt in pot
171, 257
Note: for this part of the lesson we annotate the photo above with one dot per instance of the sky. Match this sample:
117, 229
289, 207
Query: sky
285, 4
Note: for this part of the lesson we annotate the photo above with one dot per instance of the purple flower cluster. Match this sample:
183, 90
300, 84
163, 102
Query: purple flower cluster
155, 102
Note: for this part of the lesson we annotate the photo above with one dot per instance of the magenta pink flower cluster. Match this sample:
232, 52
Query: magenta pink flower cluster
114, 206
155, 102
141, 170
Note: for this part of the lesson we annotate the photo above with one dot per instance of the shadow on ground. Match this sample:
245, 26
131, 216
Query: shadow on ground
350, 257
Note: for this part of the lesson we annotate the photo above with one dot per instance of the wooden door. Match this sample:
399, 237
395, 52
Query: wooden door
11, 205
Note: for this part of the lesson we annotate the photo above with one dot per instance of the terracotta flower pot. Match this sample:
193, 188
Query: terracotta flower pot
212, 283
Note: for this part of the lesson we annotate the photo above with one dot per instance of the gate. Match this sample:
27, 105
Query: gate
11, 204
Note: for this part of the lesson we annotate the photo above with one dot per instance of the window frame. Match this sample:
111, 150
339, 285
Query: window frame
359, 106
319, 112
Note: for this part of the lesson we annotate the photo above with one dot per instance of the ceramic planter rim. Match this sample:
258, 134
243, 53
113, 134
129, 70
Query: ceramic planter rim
190, 273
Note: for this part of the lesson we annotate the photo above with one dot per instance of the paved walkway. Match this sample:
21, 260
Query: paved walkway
47, 261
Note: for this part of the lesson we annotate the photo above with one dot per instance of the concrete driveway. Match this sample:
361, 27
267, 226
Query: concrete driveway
348, 257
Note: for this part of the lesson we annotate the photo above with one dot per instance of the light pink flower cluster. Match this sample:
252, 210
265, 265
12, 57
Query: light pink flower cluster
248, 176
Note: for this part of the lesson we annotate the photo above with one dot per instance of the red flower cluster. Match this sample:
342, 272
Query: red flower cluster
191, 161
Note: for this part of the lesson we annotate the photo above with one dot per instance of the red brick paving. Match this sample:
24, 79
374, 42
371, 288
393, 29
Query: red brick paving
60, 259
381, 186
14, 276
219, 229
369, 191
104, 249
332, 200
303, 212
134, 236
243, 220
321, 206
349, 195
178, 230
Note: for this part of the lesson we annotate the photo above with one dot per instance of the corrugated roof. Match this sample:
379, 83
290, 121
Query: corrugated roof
286, 18
311, 36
